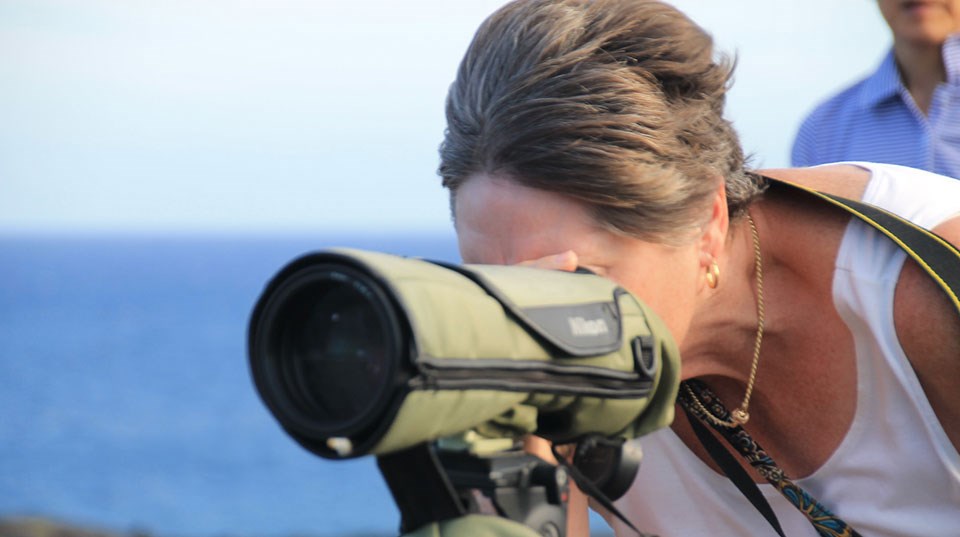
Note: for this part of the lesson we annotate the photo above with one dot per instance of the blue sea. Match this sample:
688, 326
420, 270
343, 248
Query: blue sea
126, 402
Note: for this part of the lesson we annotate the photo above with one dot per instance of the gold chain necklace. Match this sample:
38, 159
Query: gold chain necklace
740, 416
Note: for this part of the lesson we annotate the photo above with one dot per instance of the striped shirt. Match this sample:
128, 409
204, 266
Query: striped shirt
877, 120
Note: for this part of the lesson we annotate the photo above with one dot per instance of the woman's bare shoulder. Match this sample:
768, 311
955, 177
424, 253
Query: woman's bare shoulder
844, 180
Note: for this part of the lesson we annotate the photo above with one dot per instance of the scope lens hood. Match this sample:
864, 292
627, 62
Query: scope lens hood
326, 351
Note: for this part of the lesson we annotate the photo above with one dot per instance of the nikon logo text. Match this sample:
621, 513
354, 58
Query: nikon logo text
587, 327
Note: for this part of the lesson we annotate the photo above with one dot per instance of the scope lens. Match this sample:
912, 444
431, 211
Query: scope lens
332, 350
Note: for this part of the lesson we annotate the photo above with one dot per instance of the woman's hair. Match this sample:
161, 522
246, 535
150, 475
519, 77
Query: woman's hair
617, 103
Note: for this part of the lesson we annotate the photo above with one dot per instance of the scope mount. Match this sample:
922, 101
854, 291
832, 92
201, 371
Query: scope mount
435, 485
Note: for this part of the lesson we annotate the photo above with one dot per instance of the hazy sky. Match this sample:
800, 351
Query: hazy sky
283, 115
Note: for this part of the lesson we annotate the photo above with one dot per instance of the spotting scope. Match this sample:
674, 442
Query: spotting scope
358, 352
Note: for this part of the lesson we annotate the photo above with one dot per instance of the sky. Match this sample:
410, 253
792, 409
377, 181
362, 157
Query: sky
292, 116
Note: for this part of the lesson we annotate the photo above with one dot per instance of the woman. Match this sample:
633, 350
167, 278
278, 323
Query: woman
591, 133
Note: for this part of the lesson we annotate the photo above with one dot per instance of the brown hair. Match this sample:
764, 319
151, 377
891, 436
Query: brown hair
617, 103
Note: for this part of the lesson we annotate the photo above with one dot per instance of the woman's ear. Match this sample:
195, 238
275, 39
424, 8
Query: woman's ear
714, 236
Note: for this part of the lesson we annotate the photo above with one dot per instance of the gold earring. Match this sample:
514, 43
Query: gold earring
713, 275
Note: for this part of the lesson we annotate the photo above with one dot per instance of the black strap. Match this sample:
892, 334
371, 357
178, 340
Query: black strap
591, 490
733, 470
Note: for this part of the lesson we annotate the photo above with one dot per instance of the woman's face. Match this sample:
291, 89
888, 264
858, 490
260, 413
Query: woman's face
501, 222
924, 22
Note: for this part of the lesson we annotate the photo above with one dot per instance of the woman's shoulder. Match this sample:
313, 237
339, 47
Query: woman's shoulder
925, 198
806, 232
847, 180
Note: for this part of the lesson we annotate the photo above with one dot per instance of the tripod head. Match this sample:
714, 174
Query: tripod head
438, 489
443, 492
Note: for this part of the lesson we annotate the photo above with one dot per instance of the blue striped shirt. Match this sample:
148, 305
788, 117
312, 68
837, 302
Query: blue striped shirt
876, 120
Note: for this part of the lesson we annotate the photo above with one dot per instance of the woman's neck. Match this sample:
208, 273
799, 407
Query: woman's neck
723, 329
797, 288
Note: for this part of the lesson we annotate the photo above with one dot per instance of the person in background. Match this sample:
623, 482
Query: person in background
908, 111
590, 133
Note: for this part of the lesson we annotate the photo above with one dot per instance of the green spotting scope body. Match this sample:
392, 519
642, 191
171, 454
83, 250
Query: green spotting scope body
358, 352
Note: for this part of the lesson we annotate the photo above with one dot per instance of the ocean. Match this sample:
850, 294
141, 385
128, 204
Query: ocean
126, 403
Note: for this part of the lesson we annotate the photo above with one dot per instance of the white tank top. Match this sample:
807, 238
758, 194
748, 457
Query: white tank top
895, 473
